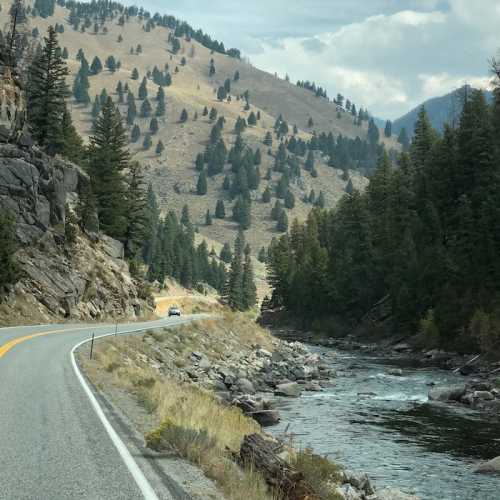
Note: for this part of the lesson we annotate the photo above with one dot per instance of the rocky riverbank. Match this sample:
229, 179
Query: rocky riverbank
238, 362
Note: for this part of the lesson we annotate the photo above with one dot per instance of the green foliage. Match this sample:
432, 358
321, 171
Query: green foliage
220, 210
8, 247
201, 186
46, 94
425, 234
108, 157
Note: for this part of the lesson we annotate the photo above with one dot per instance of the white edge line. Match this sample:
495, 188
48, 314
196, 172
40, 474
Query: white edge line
139, 477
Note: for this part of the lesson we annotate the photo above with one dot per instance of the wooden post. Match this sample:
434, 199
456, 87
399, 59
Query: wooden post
92, 345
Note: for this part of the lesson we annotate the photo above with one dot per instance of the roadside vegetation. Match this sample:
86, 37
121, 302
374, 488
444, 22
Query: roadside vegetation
190, 421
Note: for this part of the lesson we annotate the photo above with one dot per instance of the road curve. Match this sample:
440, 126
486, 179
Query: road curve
53, 444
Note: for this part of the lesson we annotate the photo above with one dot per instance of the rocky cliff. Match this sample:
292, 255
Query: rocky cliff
84, 279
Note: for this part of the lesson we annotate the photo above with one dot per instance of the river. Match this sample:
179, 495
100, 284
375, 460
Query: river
382, 424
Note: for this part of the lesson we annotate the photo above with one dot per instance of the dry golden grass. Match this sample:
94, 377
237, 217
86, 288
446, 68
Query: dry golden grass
173, 173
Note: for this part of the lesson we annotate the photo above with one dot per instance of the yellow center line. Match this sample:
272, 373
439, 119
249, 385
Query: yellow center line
5, 348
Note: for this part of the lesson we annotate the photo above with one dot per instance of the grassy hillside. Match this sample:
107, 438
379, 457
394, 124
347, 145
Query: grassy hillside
173, 173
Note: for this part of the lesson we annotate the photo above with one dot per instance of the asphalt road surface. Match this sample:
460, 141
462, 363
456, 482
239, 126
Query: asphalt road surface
54, 444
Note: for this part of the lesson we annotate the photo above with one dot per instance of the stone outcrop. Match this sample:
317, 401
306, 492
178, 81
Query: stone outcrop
87, 279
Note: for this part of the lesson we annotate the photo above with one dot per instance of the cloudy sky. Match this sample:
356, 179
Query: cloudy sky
387, 55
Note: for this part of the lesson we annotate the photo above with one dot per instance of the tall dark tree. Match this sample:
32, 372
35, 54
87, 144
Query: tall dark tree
8, 247
108, 158
47, 91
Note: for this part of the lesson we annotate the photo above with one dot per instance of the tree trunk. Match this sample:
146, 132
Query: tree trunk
262, 454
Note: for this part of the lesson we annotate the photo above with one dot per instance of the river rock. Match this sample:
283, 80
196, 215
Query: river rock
245, 386
397, 372
266, 418
483, 395
401, 347
392, 494
290, 389
360, 481
490, 467
348, 492
447, 394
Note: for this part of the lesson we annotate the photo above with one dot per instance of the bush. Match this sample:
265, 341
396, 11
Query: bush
428, 334
484, 328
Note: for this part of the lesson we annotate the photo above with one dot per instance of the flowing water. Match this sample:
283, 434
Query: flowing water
382, 424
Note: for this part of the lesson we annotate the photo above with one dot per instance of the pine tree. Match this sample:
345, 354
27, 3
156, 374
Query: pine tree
47, 91
147, 143
248, 285
205, 111
252, 119
160, 147
234, 295
184, 116
153, 126
143, 89
72, 148
146, 109
403, 140
226, 255
108, 157
132, 110
268, 139
373, 133
81, 84
262, 257
201, 186
96, 66
220, 210
135, 74
289, 200
282, 222
137, 214
208, 218
213, 115
135, 134
388, 128
8, 247
236, 76
266, 195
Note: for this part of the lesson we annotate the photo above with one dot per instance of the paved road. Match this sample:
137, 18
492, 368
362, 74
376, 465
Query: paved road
53, 445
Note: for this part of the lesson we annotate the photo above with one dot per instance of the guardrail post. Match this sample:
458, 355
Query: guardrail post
92, 345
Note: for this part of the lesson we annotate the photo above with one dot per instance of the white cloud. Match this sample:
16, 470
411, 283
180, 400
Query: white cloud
435, 85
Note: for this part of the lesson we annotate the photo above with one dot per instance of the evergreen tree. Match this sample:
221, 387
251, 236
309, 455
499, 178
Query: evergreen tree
201, 186
47, 91
262, 257
220, 210
184, 116
108, 158
282, 222
373, 133
403, 140
143, 89
8, 247
96, 66
234, 294
213, 114
135, 134
248, 282
252, 119
268, 139
160, 147
147, 143
81, 84
208, 218
135, 74
131, 110
137, 212
72, 148
146, 109
289, 200
266, 195
388, 128
153, 126
226, 255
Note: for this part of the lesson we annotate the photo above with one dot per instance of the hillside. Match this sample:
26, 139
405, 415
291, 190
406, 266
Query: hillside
172, 173
441, 110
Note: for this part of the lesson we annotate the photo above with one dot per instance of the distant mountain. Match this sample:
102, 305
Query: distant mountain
441, 110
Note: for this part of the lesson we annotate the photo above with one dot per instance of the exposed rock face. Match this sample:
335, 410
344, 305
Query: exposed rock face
84, 280
490, 467
36, 188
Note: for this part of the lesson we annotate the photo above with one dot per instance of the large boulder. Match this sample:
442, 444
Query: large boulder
490, 467
289, 389
447, 394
